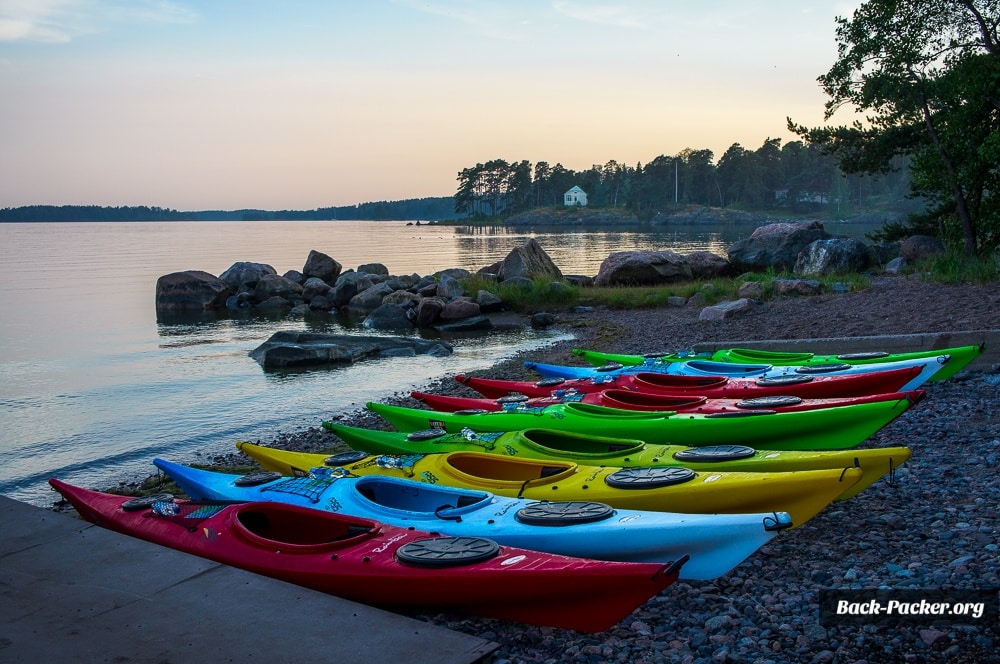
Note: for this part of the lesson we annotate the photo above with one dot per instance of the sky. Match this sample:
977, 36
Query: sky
298, 104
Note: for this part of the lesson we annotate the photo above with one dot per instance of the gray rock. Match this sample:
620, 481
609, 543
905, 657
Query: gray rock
636, 268
706, 265
272, 285
191, 290
403, 298
466, 325
374, 268
449, 287
429, 311
774, 246
488, 302
346, 287
454, 272
314, 286
459, 309
289, 349
834, 255
896, 265
369, 299
388, 317
796, 286
751, 290
519, 282
294, 275
321, 266
581, 280
529, 261
725, 310
244, 275
918, 247
542, 320
275, 304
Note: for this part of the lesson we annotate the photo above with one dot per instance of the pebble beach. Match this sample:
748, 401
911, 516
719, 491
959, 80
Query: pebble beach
934, 528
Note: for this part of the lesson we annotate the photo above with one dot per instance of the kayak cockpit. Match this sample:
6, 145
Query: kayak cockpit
283, 526
418, 497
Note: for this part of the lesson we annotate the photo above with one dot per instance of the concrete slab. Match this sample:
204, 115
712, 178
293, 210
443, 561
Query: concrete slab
74, 592
899, 343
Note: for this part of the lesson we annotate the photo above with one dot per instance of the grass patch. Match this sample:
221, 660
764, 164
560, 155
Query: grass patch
543, 294
955, 268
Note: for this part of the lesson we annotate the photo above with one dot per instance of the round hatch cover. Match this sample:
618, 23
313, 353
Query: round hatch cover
255, 479
513, 398
550, 382
872, 355
426, 434
143, 502
649, 478
769, 402
447, 551
563, 513
343, 458
778, 381
715, 453
821, 368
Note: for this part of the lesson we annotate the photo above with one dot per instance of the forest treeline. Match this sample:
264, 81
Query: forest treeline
441, 207
795, 177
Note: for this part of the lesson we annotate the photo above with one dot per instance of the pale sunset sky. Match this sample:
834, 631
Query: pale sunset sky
299, 104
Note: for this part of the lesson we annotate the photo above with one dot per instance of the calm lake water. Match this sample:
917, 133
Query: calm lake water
92, 387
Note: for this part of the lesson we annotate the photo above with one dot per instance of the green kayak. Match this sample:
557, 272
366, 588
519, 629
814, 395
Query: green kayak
838, 428
589, 450
961, 356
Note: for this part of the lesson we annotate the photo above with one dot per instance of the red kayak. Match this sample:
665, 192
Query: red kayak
387, 566
632, 400
718, 387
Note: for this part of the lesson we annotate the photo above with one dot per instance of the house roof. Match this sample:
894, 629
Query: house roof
575, 190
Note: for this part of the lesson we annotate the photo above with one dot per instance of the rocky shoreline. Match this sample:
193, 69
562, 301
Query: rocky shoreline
934, 529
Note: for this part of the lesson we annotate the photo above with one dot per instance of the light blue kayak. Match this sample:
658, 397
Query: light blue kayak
715, 542
930, 366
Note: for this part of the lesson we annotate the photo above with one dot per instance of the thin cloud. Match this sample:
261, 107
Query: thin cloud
614, 15
60, 21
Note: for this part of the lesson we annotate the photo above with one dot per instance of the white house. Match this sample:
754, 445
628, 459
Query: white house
575, 196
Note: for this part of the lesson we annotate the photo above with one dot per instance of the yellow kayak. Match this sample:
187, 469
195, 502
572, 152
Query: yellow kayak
665, 488
591, 450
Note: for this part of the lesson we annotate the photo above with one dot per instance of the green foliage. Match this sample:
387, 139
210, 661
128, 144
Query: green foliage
955, 268
542, 294
926, 75
791, 179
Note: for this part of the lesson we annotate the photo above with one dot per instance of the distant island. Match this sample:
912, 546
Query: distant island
438, 208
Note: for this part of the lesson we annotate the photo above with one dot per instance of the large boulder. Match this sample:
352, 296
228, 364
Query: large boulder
369, 299
449, 288
429, 311
529, 261
918, 247
834, 256
191, 290
374, 268
388, 317
636, 268
289, 350
775, 246
459, 309
321, 266
706, 265
273, 285
245, 275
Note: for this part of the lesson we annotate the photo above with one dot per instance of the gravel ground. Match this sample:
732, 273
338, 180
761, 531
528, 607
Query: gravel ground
935, 529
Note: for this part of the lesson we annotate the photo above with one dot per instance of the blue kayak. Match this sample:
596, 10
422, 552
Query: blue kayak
715, 542
930, 366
